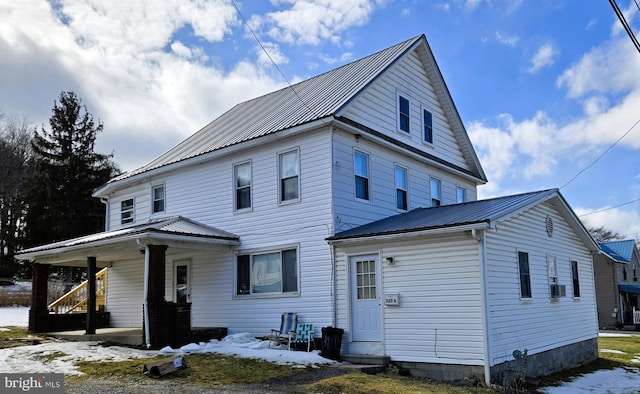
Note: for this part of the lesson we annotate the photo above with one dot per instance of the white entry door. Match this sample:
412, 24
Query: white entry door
182, 281
365, 299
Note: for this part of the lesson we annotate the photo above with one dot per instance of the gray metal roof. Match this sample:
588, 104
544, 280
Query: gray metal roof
620, 251
175, 225
304, 102
469, 213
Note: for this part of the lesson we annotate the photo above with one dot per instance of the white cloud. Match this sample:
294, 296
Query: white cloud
544, 56
314, 21
622, 220
608, 68
126, 63
507, 40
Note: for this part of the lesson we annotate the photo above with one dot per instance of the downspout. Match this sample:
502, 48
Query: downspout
146, 293
485, 303
105, 201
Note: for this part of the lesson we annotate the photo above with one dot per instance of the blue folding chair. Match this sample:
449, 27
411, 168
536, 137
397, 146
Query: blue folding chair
287, 331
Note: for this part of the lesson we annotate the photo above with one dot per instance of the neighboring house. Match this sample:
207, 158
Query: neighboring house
616, 273
230, 228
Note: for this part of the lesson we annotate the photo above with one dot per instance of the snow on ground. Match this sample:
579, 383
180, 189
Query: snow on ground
14, 316
29, 359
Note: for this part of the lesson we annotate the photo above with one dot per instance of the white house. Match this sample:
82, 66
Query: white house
230, 228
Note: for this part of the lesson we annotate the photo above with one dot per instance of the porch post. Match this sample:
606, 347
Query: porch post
38, 313
91, 298
159, 321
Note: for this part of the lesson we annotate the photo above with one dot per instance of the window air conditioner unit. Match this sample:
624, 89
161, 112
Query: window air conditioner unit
558, 291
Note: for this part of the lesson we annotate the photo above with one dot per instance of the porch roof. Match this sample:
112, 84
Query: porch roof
629, 288
176, 232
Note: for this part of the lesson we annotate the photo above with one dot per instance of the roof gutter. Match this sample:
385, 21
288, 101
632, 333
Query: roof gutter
151, 236
407, 151
407, 234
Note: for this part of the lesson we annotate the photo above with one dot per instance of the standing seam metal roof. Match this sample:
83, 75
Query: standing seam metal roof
303, 102
474, 212
621, 251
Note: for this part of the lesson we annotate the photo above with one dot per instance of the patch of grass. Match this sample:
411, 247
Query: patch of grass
48, 357
207, 369
360, 383
626, 349
16, 336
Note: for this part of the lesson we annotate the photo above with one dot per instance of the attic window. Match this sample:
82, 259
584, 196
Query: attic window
549, 225
427, 122
403, 114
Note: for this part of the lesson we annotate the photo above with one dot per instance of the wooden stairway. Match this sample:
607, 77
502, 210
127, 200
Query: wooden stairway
75, 301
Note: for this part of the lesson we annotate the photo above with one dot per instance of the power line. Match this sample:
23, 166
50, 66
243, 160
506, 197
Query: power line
255, 36
601, 155
607, 209
624, 23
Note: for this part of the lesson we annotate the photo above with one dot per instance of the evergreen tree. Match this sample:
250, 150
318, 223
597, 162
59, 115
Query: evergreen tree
67, 171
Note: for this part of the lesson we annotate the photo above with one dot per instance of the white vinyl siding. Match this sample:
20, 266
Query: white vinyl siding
377, 108
382, 162
511, 318
438, 283
203, 193
125, 295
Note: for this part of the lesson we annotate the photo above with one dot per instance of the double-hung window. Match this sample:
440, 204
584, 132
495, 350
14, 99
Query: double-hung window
436, 193
461, 194
404, 115
267, 273
157, 193
289, 167
427, 126
401, 188
552, 270
242, 176
575, 279
361, 171
126, 211
525, 276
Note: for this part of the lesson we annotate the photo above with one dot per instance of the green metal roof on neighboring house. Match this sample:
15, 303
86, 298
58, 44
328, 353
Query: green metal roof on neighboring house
620, 251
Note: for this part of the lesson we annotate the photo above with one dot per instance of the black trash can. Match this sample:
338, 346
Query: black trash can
331, 342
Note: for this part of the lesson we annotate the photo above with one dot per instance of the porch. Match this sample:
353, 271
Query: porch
125, 336
147, 245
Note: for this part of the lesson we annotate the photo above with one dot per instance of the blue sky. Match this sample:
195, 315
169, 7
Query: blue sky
544, 87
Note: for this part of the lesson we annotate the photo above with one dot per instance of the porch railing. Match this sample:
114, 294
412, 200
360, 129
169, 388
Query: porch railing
75, 301
636, 316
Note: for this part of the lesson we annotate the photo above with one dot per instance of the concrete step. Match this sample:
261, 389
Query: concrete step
366, 363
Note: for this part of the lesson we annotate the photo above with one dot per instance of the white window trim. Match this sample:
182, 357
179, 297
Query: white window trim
293, 200
153, 200
530, 298
466, 196
423, 108
395, 185
573, 291
234, 185
265, 250
355, 194
133, 211
433, 178
398, 129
